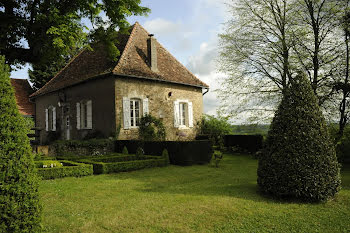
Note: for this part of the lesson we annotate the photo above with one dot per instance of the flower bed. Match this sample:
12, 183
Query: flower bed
68, 168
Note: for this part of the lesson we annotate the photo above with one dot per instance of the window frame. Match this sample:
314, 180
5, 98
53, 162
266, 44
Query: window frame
51, 110
132, 115
183, 114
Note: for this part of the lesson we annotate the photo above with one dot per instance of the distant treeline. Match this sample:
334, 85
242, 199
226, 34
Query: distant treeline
250, 129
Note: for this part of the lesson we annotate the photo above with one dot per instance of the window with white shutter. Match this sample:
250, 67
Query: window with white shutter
176, 114
183, 113
190, 115
84, 114
50, 119
145, 106
126, 112
78, 115
47, 119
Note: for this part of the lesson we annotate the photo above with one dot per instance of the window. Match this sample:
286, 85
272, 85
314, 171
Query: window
50, 118
182, 114
84, 115
134, 112
133, 109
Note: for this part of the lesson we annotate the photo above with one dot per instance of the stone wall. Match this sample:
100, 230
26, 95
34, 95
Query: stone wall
161, 97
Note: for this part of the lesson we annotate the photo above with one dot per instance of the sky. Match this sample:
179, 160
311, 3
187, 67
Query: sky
188, 30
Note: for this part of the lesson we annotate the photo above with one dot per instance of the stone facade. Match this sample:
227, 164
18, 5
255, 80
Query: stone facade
161, 97
107, 95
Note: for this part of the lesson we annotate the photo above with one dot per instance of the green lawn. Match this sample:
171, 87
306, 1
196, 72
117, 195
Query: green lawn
184, 199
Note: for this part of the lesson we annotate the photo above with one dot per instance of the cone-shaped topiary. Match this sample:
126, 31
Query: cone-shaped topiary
20, 210
125, 150
299, 160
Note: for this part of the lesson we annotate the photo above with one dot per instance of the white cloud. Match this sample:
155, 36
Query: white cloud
176, 34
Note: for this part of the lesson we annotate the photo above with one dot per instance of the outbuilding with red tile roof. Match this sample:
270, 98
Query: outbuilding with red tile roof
22, 92
94, 95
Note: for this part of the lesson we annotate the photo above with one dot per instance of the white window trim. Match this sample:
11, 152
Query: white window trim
87, 115
140, 115
143, 110
52, 126
189, 110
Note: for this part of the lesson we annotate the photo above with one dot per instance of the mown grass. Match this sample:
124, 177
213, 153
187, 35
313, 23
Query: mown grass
185, 199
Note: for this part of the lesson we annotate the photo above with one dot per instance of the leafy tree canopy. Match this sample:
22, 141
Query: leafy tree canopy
41, 32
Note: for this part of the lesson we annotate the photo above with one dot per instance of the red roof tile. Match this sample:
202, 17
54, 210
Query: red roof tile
132, 62
22, 92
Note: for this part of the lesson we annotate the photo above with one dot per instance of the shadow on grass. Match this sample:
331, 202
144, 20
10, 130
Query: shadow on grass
235, 177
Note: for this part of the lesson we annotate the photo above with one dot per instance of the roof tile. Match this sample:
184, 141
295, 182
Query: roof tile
132, 62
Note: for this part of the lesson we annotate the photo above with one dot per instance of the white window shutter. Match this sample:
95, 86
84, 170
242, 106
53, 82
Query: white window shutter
145, 106
89, 114
176, 114
53, 119
78, 115
126, 112
47, 119
190, 115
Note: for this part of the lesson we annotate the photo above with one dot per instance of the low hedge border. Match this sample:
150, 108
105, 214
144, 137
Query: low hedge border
73, 169
180, 152
114, 167
114, 157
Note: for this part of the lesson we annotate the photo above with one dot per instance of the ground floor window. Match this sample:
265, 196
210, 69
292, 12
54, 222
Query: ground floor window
135, 112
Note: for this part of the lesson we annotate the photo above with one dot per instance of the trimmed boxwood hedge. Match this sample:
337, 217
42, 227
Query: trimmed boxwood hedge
114, 167
116, 157
180, 152
250, 143
69, 168
89, 147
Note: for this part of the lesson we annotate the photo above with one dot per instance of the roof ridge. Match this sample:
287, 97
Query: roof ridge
35, 93
174, 58
127, 45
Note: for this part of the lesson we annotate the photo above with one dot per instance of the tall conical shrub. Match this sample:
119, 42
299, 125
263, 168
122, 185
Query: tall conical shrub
299, 159
20, 210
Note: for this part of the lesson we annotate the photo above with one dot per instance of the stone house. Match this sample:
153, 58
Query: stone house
93, 95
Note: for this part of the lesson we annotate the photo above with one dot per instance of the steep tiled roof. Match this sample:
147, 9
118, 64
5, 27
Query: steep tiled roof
133, 62
22, 92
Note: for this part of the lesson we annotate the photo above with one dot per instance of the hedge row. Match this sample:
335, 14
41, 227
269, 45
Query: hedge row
69, 169
114, 167
180, 152
90, 147
250, 143
121, 157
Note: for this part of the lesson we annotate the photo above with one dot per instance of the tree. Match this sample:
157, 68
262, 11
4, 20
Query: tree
255, 53
299, 159
215, 127
317, 43
44, 31
344, 85
20, 210
268, 40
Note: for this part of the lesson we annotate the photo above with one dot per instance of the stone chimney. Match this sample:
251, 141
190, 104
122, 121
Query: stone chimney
152, 53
